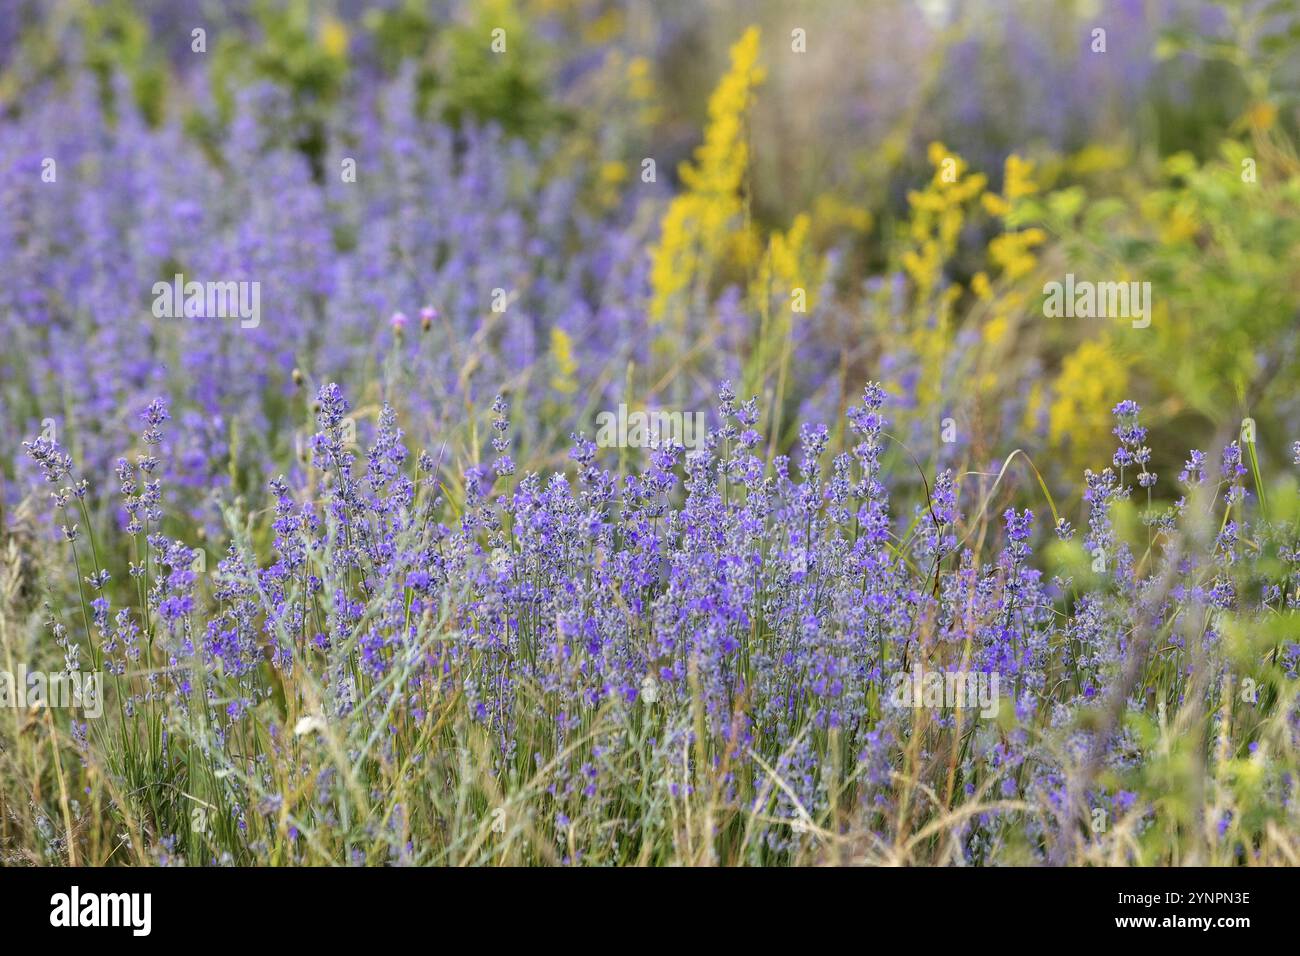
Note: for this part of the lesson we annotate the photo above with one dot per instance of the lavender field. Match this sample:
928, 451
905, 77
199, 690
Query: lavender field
577, 433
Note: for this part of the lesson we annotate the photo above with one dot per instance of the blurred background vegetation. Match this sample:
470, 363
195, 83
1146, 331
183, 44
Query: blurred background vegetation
1164, 153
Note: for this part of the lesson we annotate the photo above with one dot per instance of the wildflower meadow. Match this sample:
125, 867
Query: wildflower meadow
576, 433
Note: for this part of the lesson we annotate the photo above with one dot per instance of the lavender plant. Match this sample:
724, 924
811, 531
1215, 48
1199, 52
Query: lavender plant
710, 658
364, 588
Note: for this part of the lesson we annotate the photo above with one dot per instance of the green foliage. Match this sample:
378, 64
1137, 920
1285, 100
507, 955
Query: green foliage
507, 88
1229, 278
117, 38
299, 50
402, 32
1220, 253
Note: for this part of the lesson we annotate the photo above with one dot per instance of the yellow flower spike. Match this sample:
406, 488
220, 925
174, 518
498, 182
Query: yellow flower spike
565, 364
787, 249
1179, 226
969, 188
995, 205
1018, 178
938, 214
950, 226
694, 232
996, 329
1033, 407
334, 37
1262, 116
1095, 158
1017, 182
1093, 378
927, 202
1011, 252
640, 82
613, 173
830, 212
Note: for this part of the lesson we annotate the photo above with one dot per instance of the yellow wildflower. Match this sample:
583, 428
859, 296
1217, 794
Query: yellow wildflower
695, 227
937, 216
1262, 116
611, 176
565, 363
995, 205
1033, 407
640, 83
334, 37
830, 212
613, 173
1095, 158
1018, 178
721, 161
1093, 378
641, 91
996, 329
1011, 251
